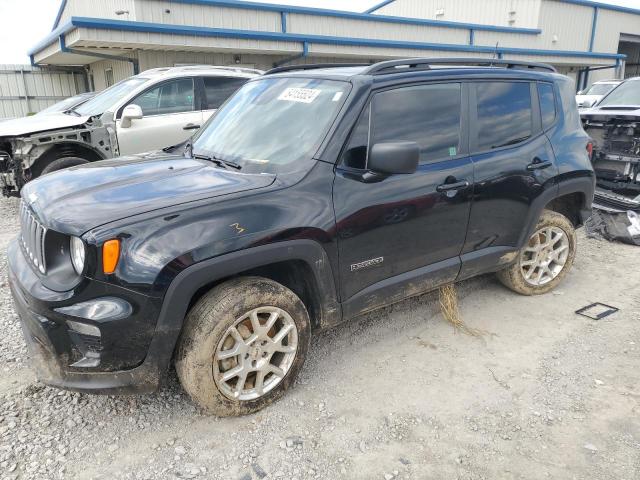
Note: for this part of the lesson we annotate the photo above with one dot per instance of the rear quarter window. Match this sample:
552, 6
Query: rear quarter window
504, 114
547, 99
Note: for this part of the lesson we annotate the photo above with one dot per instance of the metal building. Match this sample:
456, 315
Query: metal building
113, 39
25, 89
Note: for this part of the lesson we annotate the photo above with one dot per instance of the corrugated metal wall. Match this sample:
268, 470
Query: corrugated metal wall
610, 25
206, 16
97, 71
485, 12
99, 9
25, 89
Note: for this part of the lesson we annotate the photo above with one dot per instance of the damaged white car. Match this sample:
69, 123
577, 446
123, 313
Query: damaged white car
155, 109
614, 126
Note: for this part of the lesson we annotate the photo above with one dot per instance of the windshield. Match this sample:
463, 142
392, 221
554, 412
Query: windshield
627, 93
599, 89
107, 98
273, 125
64, 104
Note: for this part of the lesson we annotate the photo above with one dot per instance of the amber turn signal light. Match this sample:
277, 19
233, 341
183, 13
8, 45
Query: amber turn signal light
110, 255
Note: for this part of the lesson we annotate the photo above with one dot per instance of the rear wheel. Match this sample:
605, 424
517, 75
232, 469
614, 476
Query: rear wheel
242, 346
546, 258
62, 163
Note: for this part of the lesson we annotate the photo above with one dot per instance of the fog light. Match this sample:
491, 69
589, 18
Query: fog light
105, 308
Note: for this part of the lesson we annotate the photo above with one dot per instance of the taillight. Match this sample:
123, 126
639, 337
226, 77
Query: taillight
590, 150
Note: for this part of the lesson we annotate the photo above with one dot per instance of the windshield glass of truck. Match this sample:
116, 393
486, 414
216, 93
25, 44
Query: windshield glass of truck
106, 99
628, 93
273, 125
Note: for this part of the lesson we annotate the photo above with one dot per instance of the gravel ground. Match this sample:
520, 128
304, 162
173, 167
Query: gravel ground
397, 394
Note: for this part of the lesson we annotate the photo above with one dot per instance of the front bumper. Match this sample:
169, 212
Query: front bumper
131, 356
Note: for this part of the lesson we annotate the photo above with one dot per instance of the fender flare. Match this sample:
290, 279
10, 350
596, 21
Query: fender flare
583, 184
184, 286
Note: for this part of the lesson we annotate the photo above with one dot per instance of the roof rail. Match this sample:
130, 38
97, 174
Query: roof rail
221, 67
395, 66
312, 66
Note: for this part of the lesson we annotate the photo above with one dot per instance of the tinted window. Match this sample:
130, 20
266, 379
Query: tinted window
355, 156
171, 97
428, 115
218, 89
547, 104
504, 114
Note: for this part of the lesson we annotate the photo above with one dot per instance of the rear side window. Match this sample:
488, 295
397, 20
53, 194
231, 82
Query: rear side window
504, 114
218, 89
427, 114
547, 104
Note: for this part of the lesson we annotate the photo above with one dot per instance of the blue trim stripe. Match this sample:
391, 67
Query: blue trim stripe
269, 7
125, 25
471, 36
59, 14
283, 21
594, 26
379, 6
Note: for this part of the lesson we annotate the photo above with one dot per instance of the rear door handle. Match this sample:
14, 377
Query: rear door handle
447, 187
538, 165
191, 126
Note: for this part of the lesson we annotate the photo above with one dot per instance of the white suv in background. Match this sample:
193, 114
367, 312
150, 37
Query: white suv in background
155, 109
592, 95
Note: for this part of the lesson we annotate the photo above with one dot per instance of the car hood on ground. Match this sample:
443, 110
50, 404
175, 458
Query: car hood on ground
39, 123
78, 199
612, 111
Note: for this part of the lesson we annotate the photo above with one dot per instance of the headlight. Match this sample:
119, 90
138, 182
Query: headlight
77, 254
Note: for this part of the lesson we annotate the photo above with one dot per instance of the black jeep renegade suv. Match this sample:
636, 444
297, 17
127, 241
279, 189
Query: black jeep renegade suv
316, 193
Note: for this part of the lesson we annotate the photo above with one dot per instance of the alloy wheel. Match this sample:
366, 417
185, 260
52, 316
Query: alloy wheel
545, 256
255, 353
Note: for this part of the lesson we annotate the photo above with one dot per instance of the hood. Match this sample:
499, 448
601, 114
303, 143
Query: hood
632, 111
80, 198
39, 123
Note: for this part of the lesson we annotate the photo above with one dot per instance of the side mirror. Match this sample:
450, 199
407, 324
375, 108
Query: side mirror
580, 92
396, 157
130, 112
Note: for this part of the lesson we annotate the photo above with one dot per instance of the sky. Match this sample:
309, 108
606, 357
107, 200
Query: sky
26, 22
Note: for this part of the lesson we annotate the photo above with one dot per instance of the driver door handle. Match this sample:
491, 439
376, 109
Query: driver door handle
447, 187
191, 126
538, 164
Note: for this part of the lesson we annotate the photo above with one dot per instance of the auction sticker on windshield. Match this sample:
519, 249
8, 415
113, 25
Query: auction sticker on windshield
301, 95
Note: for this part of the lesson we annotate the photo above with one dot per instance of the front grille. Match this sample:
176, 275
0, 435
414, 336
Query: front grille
32, 238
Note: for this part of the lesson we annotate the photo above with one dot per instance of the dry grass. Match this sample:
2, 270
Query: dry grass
451, 312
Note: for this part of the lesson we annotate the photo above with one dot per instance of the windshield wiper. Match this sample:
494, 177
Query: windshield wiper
218, 161
71, 111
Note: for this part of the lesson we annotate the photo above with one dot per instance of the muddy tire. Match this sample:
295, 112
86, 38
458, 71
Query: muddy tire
242, 346
62, 163
546, 258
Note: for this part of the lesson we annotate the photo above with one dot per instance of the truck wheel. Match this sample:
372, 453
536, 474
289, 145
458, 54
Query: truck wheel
546, 259
242, 346
62, 163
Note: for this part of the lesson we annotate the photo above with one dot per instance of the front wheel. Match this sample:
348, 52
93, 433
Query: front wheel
62, 163
546, 258
242, 346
